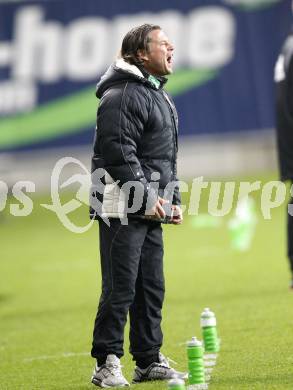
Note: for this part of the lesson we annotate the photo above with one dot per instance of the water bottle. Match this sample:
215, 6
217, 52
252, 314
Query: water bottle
242, 225
196, 374
176, 384
208, 325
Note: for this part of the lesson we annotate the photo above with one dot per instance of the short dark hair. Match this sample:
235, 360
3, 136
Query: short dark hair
136, 39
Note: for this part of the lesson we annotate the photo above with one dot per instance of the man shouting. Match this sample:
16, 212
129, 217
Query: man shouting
135, 142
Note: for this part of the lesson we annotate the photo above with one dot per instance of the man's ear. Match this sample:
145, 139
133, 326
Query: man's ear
142, 55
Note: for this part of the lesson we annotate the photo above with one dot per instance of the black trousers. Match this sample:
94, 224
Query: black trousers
290, 236
132, 282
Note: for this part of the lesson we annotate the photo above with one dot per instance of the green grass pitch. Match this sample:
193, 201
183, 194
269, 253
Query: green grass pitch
50, 284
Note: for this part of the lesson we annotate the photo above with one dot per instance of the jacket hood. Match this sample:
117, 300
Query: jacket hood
122, 71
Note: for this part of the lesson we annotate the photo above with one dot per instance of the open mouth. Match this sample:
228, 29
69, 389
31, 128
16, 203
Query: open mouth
169, 60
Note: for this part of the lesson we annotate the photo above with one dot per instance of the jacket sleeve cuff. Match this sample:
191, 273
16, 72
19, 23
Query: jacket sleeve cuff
176, 197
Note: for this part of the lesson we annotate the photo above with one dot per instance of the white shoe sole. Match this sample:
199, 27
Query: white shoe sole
98, 383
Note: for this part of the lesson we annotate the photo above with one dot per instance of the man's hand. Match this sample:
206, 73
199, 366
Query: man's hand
176, 216
157, 210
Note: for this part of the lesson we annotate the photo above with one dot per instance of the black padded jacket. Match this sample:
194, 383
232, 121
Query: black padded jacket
284, 108
136, 136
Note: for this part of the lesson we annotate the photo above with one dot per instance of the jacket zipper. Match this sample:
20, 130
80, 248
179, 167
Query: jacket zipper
174, 132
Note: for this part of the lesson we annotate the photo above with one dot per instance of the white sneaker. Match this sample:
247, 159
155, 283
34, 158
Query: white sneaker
157, 371
109, 374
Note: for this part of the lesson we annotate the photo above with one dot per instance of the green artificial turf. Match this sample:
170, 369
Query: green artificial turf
50, 284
